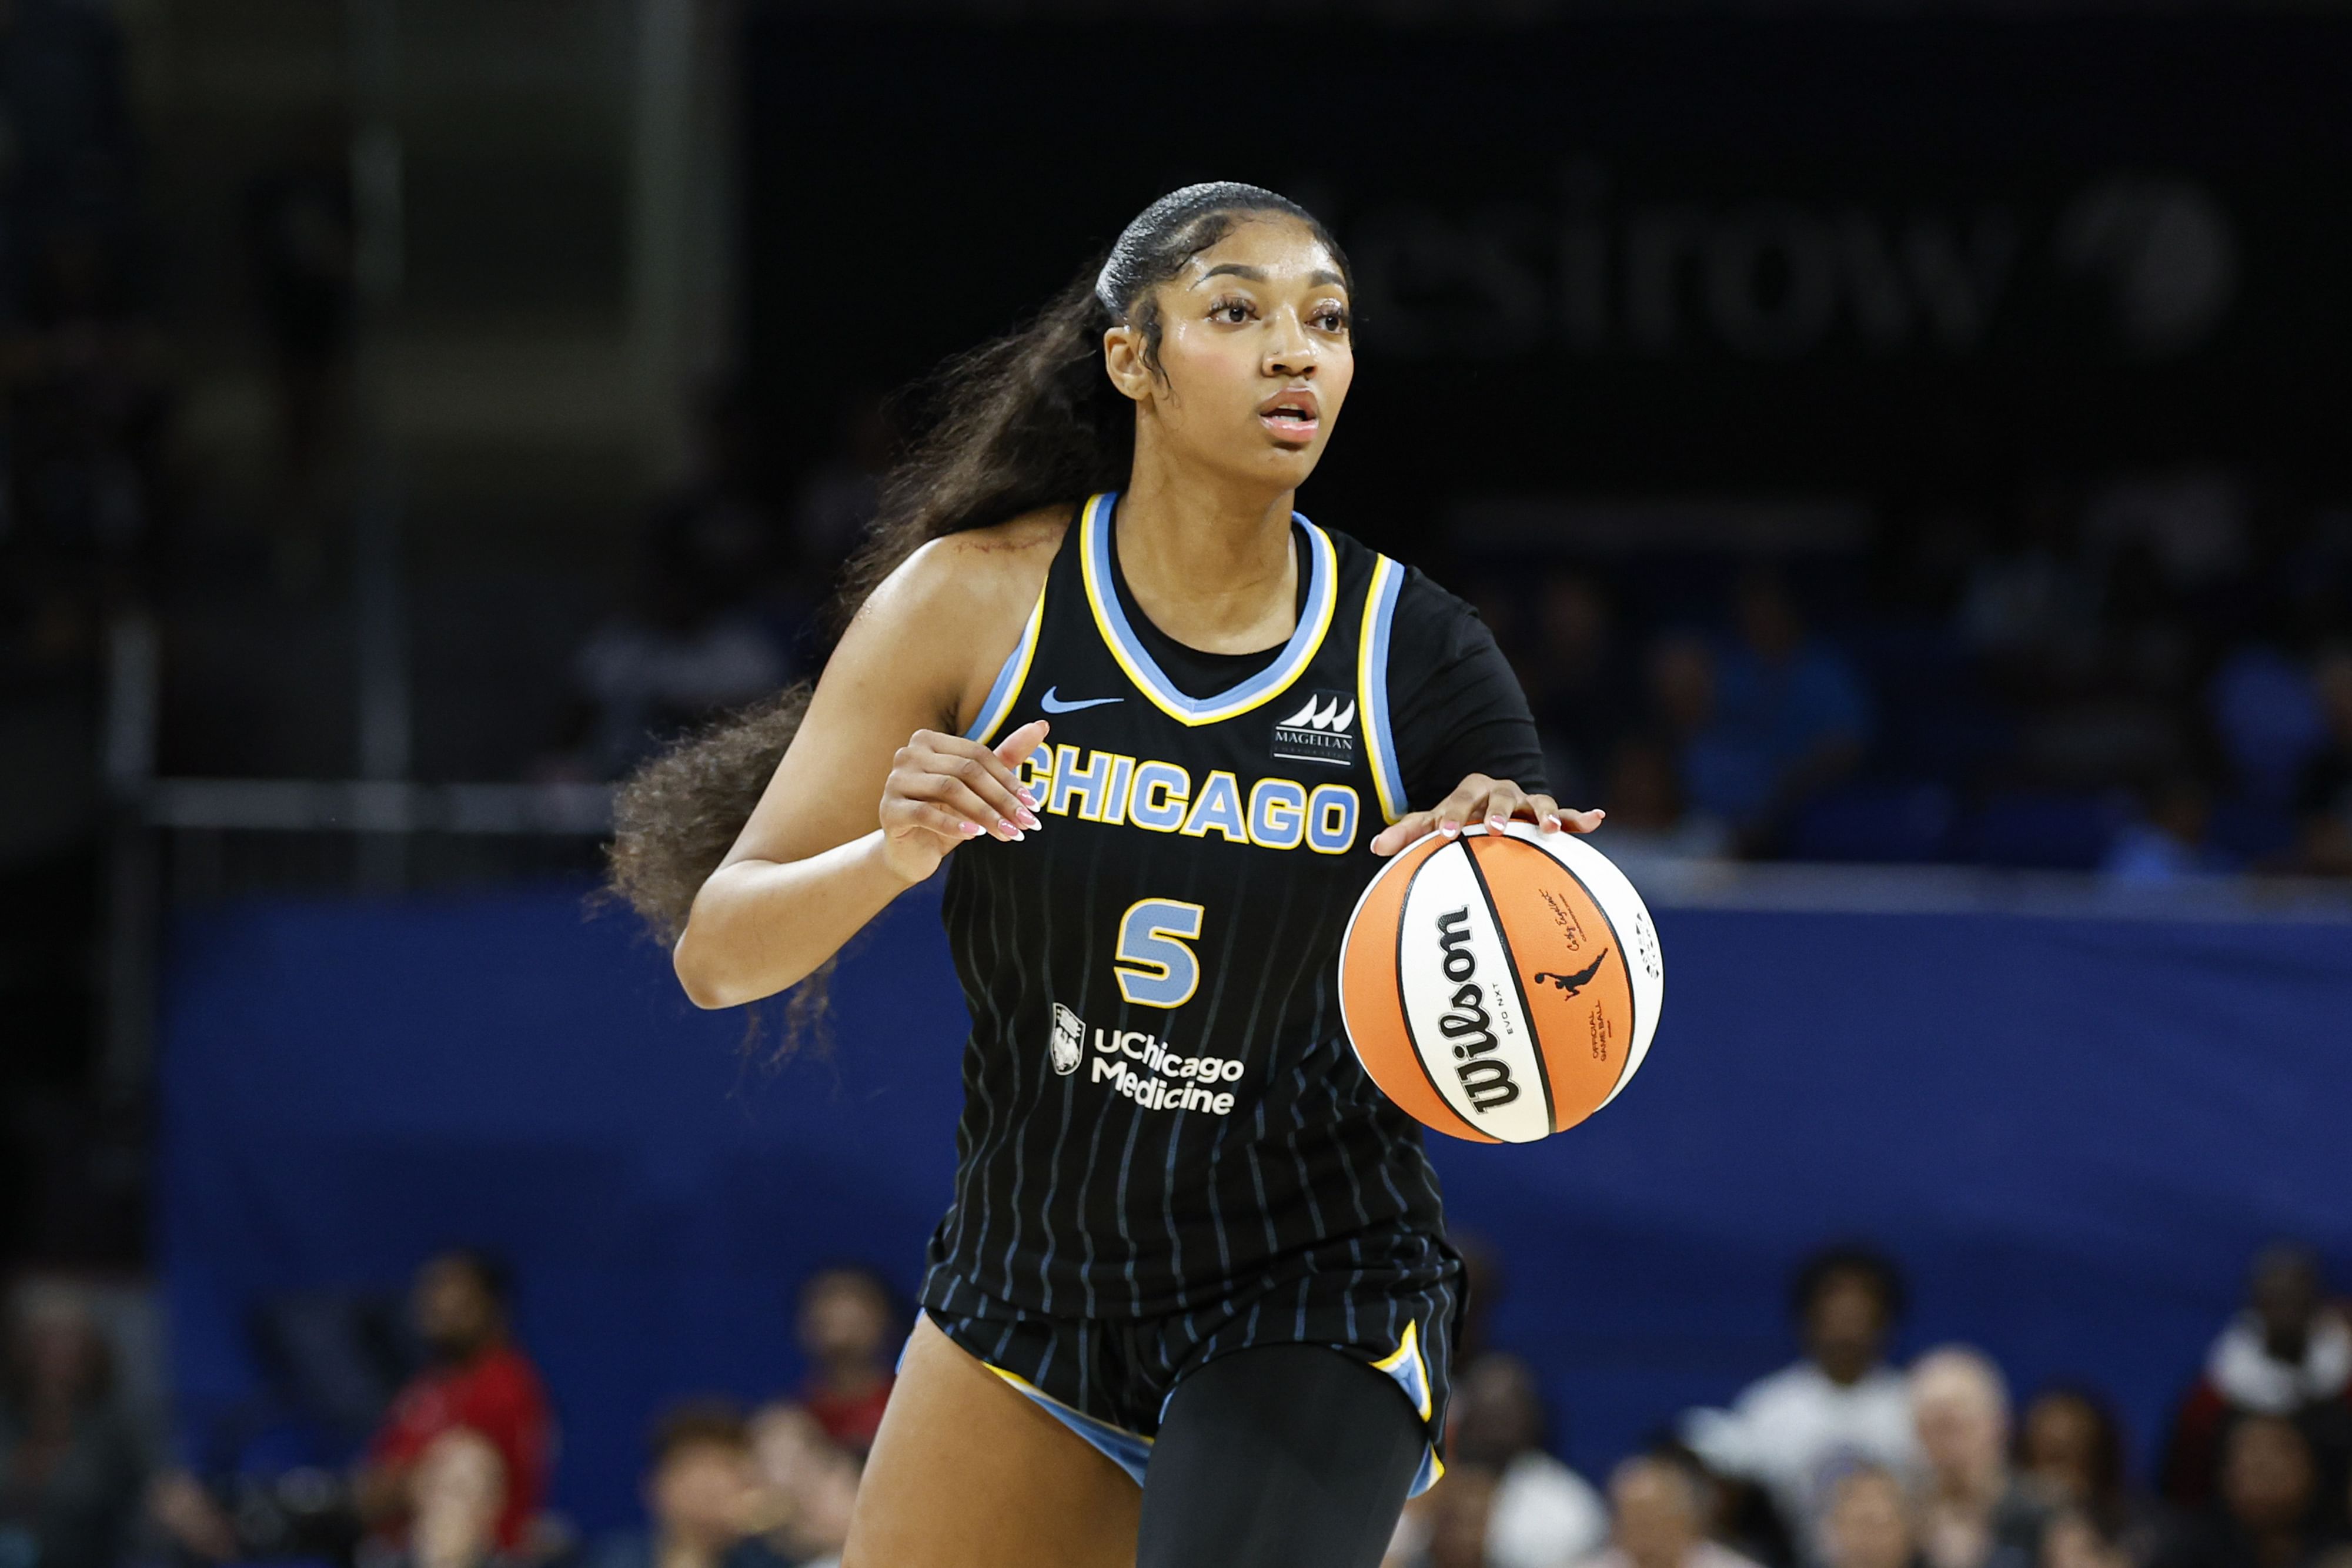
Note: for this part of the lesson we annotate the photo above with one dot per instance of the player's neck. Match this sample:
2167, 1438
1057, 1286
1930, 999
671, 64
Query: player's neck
1211, 565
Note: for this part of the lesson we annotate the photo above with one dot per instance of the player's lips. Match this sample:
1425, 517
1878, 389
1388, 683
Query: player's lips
1292, 414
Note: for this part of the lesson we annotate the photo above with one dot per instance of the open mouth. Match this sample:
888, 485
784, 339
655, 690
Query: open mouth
1291, 414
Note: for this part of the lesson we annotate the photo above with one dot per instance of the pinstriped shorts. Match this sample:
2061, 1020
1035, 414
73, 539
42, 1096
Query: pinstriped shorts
1109, 1380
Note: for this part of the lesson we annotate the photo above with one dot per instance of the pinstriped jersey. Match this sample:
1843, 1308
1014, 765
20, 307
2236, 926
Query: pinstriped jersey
1160, 1105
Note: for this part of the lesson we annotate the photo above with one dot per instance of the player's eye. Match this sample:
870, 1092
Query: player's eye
1232, 310
1329, 316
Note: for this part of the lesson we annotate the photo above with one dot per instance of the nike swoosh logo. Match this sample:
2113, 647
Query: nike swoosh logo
1053, 703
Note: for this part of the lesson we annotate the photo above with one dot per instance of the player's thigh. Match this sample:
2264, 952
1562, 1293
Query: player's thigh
1289, 1456
968, 1472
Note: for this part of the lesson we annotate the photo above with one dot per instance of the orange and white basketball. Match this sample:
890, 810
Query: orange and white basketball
1501, 987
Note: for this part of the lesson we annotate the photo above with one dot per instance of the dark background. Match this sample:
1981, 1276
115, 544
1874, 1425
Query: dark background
1861, 256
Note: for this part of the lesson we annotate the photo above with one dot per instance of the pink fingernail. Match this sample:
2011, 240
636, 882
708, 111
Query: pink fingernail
1551, 823
1027, 799
969, 829
1447, 830
1496, 824
1028, 819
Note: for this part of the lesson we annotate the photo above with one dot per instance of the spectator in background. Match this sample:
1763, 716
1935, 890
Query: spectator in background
2288, 1355
1868, 1522
1579, 683
2322, 793
1455, 1520
848, 1325
2029, 603
1974, 1512
1540, 1514
1794, 1433
2074, 1540
2265, 714
1658, 1511
2166, 840
1648, 824
2268, 1502
457, 1492
809, 1485
703, 1496
71, 1466
2071, 1446
1790, 717
718, 617
1544, 1513
478, 1381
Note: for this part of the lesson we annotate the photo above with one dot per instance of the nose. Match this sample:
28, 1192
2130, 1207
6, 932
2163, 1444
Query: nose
1290, 349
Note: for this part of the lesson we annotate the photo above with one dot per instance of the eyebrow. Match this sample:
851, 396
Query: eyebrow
1257, 273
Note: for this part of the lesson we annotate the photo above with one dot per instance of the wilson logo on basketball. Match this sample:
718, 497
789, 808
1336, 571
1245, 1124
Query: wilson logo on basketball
1500, 987
1466, 1025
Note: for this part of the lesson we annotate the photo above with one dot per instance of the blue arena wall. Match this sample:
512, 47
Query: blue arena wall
2073, 1133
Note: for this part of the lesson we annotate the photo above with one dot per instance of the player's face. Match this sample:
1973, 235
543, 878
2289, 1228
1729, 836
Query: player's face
1255, 354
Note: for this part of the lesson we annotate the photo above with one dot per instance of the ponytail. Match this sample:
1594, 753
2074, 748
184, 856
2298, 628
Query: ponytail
1029, 421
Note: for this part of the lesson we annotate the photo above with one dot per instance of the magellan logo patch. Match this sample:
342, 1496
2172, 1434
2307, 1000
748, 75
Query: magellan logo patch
1318, 731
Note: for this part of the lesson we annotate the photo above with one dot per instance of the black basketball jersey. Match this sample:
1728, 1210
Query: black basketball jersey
1161, 1104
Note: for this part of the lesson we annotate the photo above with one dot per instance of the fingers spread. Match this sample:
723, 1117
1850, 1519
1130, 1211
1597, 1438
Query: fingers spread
1463, 805
1400, 833
1504, 801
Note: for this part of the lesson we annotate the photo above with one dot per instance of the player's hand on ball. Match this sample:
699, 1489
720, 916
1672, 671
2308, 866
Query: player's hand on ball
944, 789
1493, 801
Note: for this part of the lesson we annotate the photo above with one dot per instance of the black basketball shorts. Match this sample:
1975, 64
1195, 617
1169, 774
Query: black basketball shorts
1109, 1379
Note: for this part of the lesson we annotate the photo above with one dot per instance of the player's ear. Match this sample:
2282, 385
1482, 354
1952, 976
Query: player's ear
1123, 359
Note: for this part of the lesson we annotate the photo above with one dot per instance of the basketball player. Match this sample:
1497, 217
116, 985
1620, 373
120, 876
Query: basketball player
1193, 1302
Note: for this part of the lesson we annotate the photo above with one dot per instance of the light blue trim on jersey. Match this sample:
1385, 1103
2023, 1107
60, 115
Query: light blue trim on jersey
1131, 1451
1009, 677
1412, 1375
1372, 685
1127, 648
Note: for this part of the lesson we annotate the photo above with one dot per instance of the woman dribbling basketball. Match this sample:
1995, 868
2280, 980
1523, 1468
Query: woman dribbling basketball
1193, 1302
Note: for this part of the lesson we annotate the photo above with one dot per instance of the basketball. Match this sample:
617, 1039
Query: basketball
1501, 987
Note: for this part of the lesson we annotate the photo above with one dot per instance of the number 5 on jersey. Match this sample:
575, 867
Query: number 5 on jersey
1155, 968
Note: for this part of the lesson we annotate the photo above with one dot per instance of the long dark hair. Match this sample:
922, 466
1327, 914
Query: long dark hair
1031, 419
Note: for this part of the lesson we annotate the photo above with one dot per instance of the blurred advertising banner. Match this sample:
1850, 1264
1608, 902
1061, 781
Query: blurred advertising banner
1812, 253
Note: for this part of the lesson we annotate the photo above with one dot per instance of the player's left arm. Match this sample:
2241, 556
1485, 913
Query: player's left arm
1466, 718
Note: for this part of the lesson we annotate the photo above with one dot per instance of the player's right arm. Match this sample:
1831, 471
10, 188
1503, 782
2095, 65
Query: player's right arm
818, 858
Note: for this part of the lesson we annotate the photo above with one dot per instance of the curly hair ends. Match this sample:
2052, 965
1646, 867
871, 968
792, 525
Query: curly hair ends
675, 819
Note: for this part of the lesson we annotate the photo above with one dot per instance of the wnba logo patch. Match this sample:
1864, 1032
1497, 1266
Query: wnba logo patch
1069, 1039
1318, 731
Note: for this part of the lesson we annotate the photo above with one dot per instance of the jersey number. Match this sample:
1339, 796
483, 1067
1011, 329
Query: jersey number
1155, 969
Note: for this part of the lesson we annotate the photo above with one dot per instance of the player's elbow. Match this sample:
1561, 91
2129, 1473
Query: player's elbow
714, 977
705, 982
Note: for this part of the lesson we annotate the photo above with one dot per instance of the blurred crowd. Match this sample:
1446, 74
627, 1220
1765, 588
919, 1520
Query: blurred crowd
1840, 1459
2148, 676
1844, 1460
457, 1469
2151, 677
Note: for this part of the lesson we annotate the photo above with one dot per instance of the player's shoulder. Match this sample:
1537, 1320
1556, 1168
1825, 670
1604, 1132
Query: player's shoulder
1422, 604
973, 578
1434, 623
